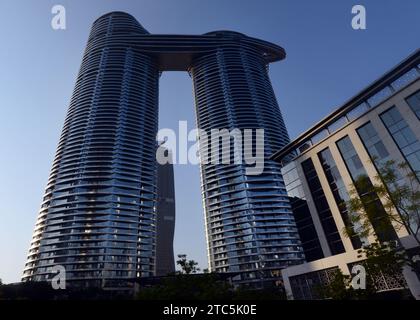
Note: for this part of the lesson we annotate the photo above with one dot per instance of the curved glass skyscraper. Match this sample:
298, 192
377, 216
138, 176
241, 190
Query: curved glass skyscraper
98, 216
250, 227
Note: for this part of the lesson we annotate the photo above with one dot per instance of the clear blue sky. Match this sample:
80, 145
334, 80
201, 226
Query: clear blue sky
327, 62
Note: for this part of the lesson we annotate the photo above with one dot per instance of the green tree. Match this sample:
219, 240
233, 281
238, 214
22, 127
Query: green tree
188, 284
379, 259
206, 286
187, 266
399, 190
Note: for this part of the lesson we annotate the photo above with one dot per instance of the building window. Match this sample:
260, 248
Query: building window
357, 111
319, 136
373, 144
305, 146
376, 149
336, 125
306, 286
380, 96
327, 221
339, 191
405, 79
414, 103
305, 225
404, 137
370, 200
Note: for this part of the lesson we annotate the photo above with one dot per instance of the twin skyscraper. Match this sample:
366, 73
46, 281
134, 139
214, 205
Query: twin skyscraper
99, 215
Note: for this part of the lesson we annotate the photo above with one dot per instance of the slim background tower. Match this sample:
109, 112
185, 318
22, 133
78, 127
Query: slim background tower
165, 222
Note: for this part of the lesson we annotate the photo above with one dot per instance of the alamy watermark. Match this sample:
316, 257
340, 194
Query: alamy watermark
359, 277
215, 146
58, 21
358, 22
58, 281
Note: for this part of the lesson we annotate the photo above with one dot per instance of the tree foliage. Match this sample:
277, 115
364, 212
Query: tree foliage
189, 284
187, 266
398, 188
379, 259
205, 286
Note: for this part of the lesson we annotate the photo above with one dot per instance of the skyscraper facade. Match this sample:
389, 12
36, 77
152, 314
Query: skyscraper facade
250, 228
98, 216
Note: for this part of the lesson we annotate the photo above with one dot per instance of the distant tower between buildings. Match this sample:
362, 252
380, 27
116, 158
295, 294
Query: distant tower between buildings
165, 222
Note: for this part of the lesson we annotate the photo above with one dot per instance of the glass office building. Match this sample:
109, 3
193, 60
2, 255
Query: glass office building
379, 124
98, 215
